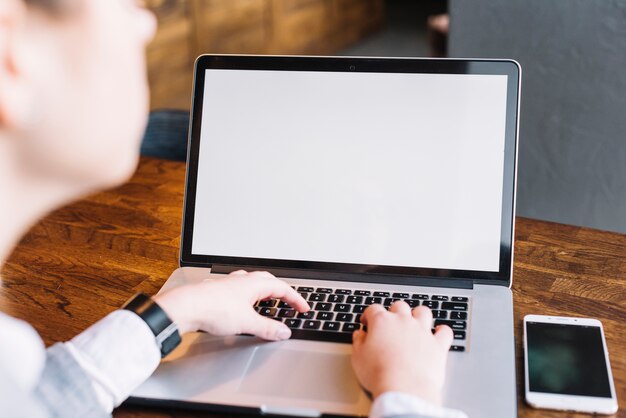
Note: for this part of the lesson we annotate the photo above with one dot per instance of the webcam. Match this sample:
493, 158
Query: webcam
352, 68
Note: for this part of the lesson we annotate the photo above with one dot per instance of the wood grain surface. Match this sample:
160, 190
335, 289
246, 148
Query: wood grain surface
85, 260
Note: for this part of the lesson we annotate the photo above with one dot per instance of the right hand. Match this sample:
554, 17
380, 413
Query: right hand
399, 353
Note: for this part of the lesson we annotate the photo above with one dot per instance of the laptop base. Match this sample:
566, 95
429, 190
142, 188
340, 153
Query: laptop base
312, 378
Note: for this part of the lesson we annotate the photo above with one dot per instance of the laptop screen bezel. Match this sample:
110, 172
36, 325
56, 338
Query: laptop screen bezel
372, 65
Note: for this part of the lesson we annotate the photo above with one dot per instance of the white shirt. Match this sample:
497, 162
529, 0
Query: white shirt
118, 353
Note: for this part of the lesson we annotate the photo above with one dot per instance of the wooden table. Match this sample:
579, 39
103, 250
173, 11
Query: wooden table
85, 260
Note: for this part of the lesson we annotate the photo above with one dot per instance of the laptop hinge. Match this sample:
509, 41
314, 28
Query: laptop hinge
290, 411
365, 277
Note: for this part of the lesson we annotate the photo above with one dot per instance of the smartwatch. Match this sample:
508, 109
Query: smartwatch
165, 331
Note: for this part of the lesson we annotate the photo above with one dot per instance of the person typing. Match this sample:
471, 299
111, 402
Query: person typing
73, 104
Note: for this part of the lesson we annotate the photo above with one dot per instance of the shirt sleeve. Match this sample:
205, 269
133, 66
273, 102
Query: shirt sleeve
118, 353
64, 388
397, 404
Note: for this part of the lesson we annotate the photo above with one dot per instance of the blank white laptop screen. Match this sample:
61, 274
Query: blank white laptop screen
364, 168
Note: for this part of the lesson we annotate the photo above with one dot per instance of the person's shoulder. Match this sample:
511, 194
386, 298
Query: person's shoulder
22, 353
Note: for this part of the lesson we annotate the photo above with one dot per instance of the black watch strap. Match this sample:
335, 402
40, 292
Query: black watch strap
165, 331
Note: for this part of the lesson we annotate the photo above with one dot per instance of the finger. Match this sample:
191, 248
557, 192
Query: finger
274, 288
358, 338
266, 328
238, 273
400, 307
372, 312
444, 335
423, 315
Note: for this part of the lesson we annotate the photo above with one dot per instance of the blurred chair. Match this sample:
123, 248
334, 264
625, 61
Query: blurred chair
166, 135
572, 159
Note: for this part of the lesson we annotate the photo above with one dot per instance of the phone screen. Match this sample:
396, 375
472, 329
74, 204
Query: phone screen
566, 359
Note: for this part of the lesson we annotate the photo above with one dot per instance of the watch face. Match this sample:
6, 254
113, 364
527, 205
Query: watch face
170, 343
168, 339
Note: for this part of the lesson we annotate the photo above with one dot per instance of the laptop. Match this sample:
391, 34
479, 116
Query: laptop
356, 181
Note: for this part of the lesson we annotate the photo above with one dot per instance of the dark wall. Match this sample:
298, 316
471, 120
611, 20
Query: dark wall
572, 160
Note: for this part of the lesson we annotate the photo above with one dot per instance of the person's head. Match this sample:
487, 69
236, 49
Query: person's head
73, 89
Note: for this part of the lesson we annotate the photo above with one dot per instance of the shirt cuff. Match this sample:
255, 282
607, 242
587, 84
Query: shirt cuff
391, 404
119, 352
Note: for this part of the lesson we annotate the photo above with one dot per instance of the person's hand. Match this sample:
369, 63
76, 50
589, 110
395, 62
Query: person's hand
225, 306
399, 352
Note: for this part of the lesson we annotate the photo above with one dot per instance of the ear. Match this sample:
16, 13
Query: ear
13, 95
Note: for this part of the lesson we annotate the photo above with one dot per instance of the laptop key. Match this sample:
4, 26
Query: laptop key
362, 292
412, 302
282, 304
382, 294
372, 300
325, 316
401, 295
389, 301
320, 306
335, 298
286, 313
306, 315
439, 297
343, 292
323, 290
293, 323
431, 304
344, 317
419, 296
459, 348
321, 335
459, 299
358, 308
440, 314
342, 307
331, 326
350, 327
317, 297
458, 315
354, 299
270, 303
454, 306
268, 311
305, 289
311, 324
459, 335
455, 325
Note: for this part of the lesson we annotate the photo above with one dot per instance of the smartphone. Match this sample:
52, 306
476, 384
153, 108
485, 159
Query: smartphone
567, 365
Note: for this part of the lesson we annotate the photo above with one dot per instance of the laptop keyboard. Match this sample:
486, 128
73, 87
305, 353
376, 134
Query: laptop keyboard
336, 313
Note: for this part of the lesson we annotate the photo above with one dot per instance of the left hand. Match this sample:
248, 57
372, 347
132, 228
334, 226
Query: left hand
225, 306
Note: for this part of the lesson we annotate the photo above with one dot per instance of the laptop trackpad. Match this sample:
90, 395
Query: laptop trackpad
301, 374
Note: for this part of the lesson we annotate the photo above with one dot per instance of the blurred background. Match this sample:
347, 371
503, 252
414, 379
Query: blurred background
572, 151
